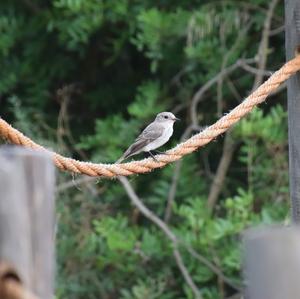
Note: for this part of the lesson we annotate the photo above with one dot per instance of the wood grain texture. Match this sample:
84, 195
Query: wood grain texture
27, 217
272, 263
292, 36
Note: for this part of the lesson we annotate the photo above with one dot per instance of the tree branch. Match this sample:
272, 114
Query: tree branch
172, 192
263, 47
229, 146
169, 234
185, 273
199, 94
176, 175
83, 180
151, 216
227, 54
255, 71
220, 175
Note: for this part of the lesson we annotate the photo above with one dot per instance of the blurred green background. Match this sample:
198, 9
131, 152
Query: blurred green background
83, 77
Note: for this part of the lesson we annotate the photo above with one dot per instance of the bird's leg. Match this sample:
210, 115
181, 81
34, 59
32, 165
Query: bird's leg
153, 156
159, 152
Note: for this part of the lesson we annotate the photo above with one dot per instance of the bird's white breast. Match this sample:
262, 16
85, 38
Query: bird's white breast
164, 138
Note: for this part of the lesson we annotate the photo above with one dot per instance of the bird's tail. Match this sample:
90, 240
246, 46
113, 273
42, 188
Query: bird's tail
120, 160
126, 155
134, 149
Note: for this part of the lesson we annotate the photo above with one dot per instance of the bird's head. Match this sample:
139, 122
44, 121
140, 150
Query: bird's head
166, 117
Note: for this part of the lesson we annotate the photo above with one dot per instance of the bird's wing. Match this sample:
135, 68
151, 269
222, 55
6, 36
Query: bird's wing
150, 133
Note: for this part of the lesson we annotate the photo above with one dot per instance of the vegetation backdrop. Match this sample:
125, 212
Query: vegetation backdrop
83, 77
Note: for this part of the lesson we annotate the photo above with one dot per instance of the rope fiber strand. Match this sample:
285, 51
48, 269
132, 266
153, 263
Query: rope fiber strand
182, 149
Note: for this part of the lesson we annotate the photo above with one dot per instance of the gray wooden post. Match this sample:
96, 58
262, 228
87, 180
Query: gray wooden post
272, 263
292, 37
27, 218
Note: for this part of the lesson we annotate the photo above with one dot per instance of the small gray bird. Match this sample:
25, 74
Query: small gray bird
155, 135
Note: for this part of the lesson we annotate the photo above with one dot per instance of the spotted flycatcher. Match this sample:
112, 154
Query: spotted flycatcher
155, 135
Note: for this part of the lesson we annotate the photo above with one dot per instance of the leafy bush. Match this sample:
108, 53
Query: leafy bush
84, 77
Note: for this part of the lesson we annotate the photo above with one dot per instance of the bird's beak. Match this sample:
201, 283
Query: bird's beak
176, 118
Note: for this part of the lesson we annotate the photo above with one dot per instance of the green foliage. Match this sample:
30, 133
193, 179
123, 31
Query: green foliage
146, 101
149, 288
9, 26
270, 128
116, 233
76, 20
157, 30
83, 77
114, 128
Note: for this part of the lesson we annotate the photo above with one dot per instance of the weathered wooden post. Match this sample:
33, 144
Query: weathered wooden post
292, 38
272, 263
27, 220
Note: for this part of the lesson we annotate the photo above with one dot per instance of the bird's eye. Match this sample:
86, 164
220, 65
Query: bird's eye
166, 117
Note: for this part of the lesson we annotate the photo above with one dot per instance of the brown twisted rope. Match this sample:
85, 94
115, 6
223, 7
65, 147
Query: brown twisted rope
11, 289
10, 285
182, 149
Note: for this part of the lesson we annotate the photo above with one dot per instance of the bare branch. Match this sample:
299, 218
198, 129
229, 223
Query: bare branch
225, 59
172, 192
185, 273
229, 146
146, 212
278, 30
255, 71
169, 234
176, 175
233, 89
223, 166
73, 183
255, 7
199, 94
263, 47
212, 267
64, 96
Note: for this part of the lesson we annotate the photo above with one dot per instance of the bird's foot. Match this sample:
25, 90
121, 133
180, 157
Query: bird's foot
152, 156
